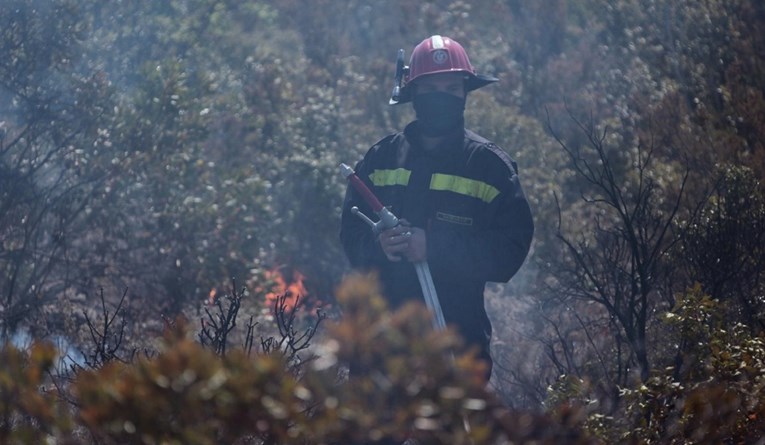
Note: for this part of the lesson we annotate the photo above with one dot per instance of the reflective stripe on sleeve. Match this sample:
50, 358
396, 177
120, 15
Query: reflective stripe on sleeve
464, 186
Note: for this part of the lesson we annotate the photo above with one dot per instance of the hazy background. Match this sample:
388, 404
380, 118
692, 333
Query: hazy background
165, 148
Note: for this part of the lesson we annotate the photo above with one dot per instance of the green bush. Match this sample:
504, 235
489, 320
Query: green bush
713, 391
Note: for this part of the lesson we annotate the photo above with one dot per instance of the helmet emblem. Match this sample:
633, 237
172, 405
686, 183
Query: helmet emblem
440, 56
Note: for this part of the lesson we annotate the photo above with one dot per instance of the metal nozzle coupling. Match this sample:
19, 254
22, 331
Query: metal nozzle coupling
345, 170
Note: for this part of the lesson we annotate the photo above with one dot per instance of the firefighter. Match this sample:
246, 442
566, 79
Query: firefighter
458, 195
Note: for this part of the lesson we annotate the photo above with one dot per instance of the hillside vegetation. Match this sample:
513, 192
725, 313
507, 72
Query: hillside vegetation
169, 216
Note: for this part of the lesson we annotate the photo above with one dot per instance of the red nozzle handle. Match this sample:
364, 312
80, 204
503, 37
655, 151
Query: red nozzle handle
360, 187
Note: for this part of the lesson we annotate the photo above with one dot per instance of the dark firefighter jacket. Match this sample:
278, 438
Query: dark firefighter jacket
467, 197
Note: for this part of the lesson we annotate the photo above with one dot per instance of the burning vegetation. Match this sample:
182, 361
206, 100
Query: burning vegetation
291, 290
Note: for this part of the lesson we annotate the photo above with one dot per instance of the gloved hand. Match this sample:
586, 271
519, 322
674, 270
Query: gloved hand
404, 240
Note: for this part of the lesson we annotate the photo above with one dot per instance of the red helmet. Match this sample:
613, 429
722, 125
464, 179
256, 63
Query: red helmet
440, 54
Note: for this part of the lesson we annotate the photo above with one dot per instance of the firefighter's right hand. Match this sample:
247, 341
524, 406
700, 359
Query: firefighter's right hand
395, 241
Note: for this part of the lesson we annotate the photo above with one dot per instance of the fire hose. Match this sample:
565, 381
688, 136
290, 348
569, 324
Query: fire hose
388, 220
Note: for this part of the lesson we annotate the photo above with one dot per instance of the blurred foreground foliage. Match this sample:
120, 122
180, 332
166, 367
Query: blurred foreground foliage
414, 382
417, 383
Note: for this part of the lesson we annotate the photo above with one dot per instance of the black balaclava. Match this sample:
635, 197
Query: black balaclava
439, 113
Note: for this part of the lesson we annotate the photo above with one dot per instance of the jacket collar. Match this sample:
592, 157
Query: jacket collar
450, 144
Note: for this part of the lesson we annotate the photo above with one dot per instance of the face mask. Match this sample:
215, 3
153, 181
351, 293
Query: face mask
438, 113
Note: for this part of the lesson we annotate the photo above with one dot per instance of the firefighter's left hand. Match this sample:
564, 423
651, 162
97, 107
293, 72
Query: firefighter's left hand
418, 246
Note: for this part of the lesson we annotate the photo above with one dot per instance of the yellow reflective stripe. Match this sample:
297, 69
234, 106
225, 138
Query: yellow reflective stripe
399, 176
464, 186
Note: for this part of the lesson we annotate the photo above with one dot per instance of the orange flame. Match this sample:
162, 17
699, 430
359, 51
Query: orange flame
293, 289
